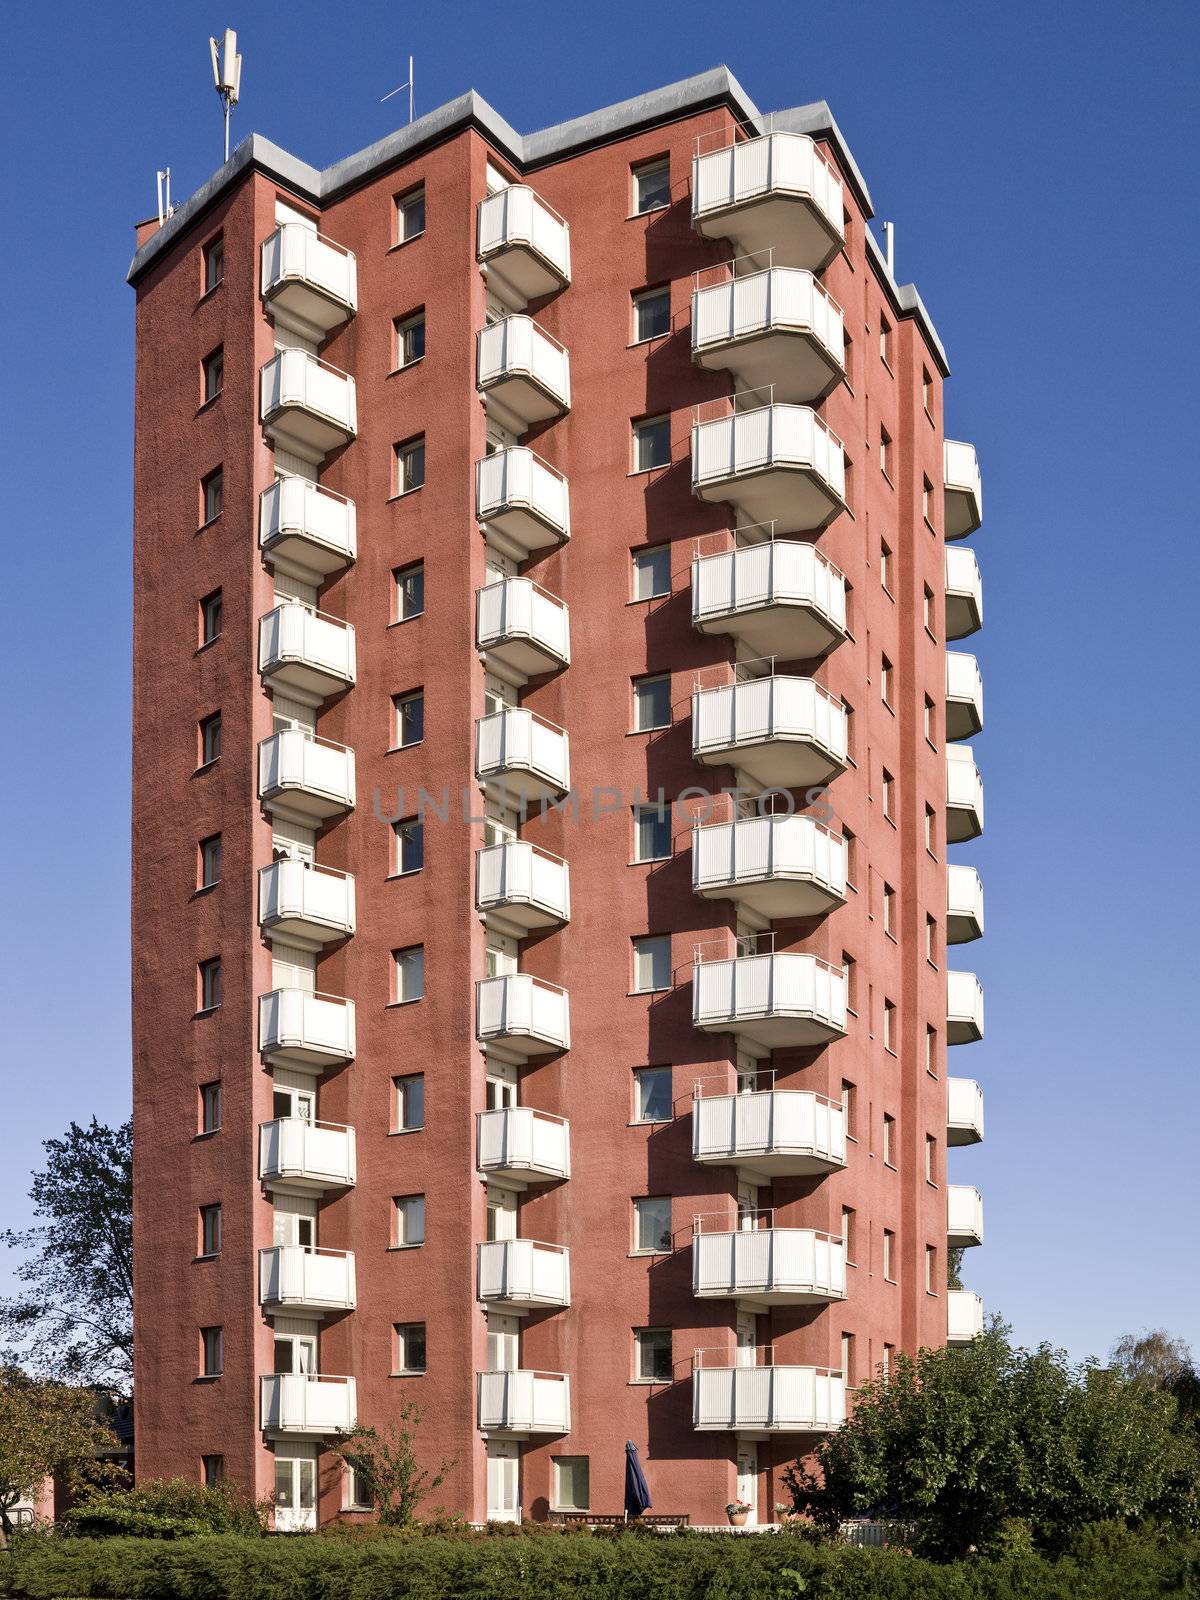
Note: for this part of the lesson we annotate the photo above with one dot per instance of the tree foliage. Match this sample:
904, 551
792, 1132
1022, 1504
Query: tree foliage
73, 1318
387, 1465
167, 1509
1158, 1360
46, 1428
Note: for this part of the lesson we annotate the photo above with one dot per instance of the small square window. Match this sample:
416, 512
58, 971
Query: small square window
651, 443
410, 1347
214, 263
887, 786
571, 1486
212, 1352
211, 617
654, 1361
211, 986
889, 910
410, 465
652, 572
651, 314
652, 1094
410, 1102
652, 1225
410, 973
652, 185
212, 1470
210, 1230
212, 496
410, 591
210, 861
410, 338
213, 374
409, 837
889, 1140
889, 1240
651, 703
410, 1219
210, 1107
651, 964
889, 1026
210, 739
410, 214
410, 718
652, 833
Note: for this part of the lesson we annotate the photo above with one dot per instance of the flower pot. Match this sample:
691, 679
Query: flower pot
737, 1519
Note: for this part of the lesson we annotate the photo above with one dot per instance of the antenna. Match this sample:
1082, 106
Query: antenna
889, 245
165, 208
408, 86
227, 75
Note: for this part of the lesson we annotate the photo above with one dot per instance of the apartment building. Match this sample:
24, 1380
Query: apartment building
547, 749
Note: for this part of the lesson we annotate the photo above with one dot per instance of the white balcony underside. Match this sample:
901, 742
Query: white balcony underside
522, 1016
964, 1111
964, 1008
522, 1146
521, 630
769, 1266
304, 778
522, 500
518, 1403
777, 328
522, 1275
780, 598
521, 886
964, 1316
775, 1001
964, 1216
777, 1133
759, 1401
774, 866
774, 192
784, 732
307, 406
964, 592
295, 1278
311, 1157
300, 1405
311, 281
776, 463
964, 904
305, 529
523, 244
305, 904
306, 1030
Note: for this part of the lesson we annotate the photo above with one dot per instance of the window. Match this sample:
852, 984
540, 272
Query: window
930, 1159
931, 1050
651, 444
851, 856
410, 465
885, 341
212, 1470
929, 715
887, 787
410, 215
885, 566
410, 338
213, 374
210, 1230
651, 963
889, 1239
410, 973
652, 833
889, 1140
885, 1364
409, 837
410, 718
651, 703
652, 1225
927, 609
850, 1234
847, 1354
652, 1349
359, 1494
930, 938
210, 861
410, 1102
410, 1347
885, 452
930, 1269
889, 910
571, 1490
850, 973
927, 501
848, 711
927, 392
410, 1221
210, 617
652, 1100
651, 314
212, 496
849, 1107
652, 572
889, 1026
652, 185
212, 1352
213, 263
930, 831
210, 1107
410, 591
211, 987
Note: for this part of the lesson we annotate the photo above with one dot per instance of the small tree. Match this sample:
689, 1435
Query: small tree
45, 1429
386, 1463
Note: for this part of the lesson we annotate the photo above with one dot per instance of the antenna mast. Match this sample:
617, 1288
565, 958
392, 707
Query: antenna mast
227, 75
399, 87
165, 208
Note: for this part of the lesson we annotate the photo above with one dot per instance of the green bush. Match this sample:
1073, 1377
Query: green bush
175, 1509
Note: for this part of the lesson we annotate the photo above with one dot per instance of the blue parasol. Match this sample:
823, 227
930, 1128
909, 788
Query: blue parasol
637, 1490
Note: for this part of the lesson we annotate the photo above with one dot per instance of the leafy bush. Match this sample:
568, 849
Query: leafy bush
176, 1509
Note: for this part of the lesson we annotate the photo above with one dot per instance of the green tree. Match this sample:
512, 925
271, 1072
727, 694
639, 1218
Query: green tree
954, 1259
46, 1428
1159, 1360
387, 1465
73, 1319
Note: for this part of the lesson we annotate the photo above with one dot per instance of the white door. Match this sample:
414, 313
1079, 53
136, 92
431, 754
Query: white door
296, 1353
747, 1478
503, 1493
501, 1084
747, 1199
288, 1102
503, 1342
497, 694
501, 955
295, 1493
747, 1073
292, 1227
501, 1213
498, 566
747, 1339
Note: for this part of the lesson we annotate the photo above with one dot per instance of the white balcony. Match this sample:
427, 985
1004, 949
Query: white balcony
313, 281
301, 1279
306, 905
523, 1015
523, 243
778, 328
964, 490
762, 1400
305, 529
521, 628
523, 1146
964, 904
784, 732
302, 1405
522, 755
964, 695
524, 1274
294, 1153
523, 501
522, 887
304, 653
769, 1266
303, 778
774, 1001
776, 598
774, 463
964, 1111
964, 1316
307, 406
521, 1403
775, 866
775, 191
523, 374
964, 1008
964, 795
964, 592
785, 1133
304, 1029
964, 1216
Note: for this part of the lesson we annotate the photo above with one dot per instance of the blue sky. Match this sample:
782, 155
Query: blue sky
1040, 165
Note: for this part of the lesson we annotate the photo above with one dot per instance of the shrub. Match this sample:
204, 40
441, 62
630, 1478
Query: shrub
176, 1509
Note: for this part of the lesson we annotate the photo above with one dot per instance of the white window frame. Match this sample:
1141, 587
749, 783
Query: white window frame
650, 948
641, 1209
409, 1222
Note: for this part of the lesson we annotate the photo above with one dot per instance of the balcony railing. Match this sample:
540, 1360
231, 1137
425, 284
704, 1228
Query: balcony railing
522, 499
779, 866
522, 754
964, 795
523, 1145
522, 886
524, 243
307, 406
304, 653
309, 278
775, 1266
771, 1398
964, 592
964, 904
774, 1000
777, 190
310, 1030
964, 1111
775, 1132
304, 903
777, 598
524, 1274
523, 374
964, 1316
300, 1278
773, 463
305, 1405
526, 1015
964, 490
522, 626
964, 1216
303, 778
964, 1008
306, 529
964, 695
306, 1155
776, 327
785, 732
524, 1402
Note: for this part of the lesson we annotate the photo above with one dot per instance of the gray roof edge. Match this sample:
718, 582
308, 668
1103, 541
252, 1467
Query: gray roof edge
906, 299
467, 110
818, 118
658, 106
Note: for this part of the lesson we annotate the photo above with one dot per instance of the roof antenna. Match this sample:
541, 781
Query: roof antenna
227, 75
889, 247
165, 208
399, 87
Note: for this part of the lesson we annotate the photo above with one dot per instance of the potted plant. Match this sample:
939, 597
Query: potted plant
737, 1511
784, 1512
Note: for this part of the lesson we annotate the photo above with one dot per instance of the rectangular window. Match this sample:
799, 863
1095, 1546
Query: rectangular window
652, 572
889, 1239
927, 501
212, 1352
851, 857
931, 1057
210, 617
652, 1100
850, 1234
887, 788
212, 1470
930, 1269
889, 1026
927, 609
651, 963
409, 847
851, 738
885, 452
651, 314
885, 566
410, 591
886, 681
410, 465
210, 1107
211, 986
929, 714
885, 341
410, 718
210, 861
651, 443
410, 1220
889, 910
652, 1350
849, 1108
651, 703
847, 1356
850, 973
410, 973
210, 1230
359, 1495
652, 833
885, 1364
652, 185
927, 392
410, 1102
930, 830
214, 263
213, 373
571, 1489
410, 338
212, 496
652, 1225
930, 938
930, 1159
410, 1347
410, 214
889, 1140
